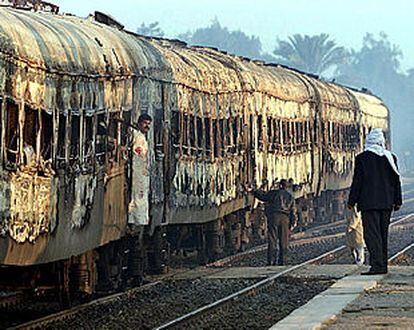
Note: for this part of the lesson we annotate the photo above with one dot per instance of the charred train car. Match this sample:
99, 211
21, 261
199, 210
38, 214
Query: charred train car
69, 89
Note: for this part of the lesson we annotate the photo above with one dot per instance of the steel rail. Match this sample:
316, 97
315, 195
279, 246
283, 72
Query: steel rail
400, 253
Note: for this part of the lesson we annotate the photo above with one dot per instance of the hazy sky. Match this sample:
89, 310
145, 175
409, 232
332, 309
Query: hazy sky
346, 21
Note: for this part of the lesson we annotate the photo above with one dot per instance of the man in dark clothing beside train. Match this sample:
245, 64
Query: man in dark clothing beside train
376, 190
281, 217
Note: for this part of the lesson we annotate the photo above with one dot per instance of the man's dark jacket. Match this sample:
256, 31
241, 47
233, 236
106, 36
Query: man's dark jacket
375, 185
278, 201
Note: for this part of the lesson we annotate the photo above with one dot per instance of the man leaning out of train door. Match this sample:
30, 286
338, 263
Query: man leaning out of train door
281, 216
138, 209
376, 190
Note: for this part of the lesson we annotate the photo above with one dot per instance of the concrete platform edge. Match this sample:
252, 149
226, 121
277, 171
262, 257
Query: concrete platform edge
325, 306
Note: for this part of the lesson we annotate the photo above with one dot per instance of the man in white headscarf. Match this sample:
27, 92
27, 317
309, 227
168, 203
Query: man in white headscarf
376, 190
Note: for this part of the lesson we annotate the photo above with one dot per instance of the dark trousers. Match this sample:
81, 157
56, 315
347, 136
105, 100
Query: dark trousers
376, 223
277, 229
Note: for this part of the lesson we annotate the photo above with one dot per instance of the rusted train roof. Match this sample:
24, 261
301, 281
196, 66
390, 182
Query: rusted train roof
85, 49
212, 71
66, 62
371, 105
71, 45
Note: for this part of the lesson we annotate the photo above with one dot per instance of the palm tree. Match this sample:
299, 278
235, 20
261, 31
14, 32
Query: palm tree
314, 54
150, 30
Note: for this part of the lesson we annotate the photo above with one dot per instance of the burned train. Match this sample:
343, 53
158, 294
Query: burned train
70, 90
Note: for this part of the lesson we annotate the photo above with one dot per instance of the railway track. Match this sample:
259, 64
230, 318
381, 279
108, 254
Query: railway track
262, 285
249, 289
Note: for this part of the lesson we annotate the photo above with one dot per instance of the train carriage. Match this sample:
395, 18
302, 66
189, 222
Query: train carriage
71, 90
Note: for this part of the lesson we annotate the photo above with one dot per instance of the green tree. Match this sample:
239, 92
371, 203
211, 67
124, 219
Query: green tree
217, 36
150, 30
315, 54
376, 66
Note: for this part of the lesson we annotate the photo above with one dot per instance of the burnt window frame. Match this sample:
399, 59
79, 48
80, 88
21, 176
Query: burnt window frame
74, 137
46, 135
88, 139
199, 130
101, 137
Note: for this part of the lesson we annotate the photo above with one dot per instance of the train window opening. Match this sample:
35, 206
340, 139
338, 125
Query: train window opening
88, 139
175, 128
61, 142
31, 128
215, 137
228, 141
236, 133
46, 139
301, 137
192, 135
330, 133
230, 136
252, 136
278, 134
126, 119
222, 137
297, 142
113, 137
184, 132
199, 135
305, 134
270, 135
207, 123
260, 135
101, 137
337, 136
241, 136
74, 137
284, 133
12, 132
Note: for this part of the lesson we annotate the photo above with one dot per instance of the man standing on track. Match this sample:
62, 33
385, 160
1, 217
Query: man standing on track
280, 214
376, 190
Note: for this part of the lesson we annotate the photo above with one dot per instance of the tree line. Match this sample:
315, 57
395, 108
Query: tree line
376, 66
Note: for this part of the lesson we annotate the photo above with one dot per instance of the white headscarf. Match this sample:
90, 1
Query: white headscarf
375, 143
